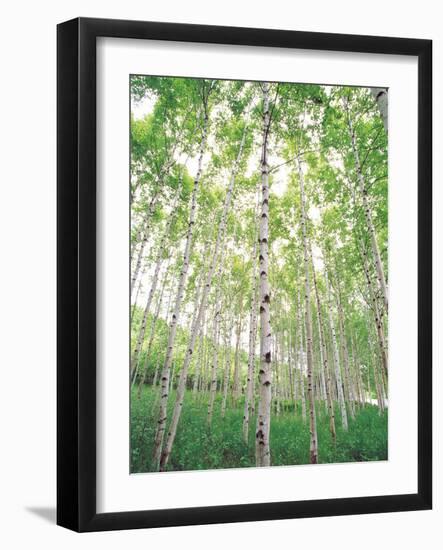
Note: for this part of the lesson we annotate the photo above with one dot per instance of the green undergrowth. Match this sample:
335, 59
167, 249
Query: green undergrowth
200, 447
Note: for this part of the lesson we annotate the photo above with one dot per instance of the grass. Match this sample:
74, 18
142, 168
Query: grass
200, 447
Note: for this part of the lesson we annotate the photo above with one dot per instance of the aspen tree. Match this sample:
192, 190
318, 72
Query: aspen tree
215, 353
344, 348
367, 210
324, 353
144, 241
236, 382
376, 311
227, 370
198, 369
313, 451
338, 379
300, 357
161, 423
152, 335
141, 334
262, 447
196, 325
249, 393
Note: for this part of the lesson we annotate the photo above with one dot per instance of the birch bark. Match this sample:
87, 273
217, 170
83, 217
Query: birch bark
144, 241
368, 213
137, 294
376, 312
227, 372
161, 422
214, 366
160, 254
249, 393
324, 356
313, 449
236, 384
151, 337
196, 326
262, 445
349, 390
198, 368
336, 356
381, 98
276, 384
300, 356
141, 334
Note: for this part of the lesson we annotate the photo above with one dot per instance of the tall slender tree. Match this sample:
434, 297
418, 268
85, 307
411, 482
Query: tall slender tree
262, 448
205, 91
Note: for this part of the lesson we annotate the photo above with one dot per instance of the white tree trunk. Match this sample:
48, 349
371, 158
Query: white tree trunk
152, 335
324, 357
345, 354
161, 251
161, 422
292, 358
144, 230
137, 294
376, 312
313, 449
144, 240
381, 97
141, 333
276, 380
214, 367
368, 215
198, 367
262, 447
227, 372
236, 384
196, 327
338, 379
300, 357
249, 392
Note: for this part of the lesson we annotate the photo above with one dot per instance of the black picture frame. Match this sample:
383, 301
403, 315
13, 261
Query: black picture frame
76, 274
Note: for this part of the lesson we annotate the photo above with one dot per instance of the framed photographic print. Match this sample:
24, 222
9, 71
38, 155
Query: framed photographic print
244, 274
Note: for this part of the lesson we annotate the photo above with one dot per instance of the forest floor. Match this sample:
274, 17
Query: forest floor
200, 447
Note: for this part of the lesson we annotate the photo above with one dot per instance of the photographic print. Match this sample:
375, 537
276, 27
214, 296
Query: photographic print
258, 274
